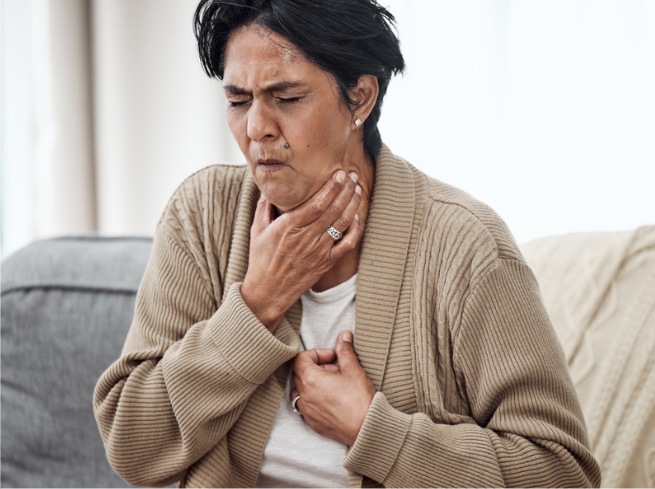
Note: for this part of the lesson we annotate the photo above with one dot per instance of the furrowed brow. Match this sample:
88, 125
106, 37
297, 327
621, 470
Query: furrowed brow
274, 87
234, 90
283, 85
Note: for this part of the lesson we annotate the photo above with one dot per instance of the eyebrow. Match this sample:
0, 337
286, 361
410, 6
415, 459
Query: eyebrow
275, 87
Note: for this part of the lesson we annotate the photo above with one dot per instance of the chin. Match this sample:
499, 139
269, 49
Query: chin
284, 197
281, 200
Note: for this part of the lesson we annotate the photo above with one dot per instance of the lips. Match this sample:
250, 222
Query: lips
270, 165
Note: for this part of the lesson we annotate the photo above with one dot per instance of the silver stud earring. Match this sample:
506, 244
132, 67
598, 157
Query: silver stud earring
358, 122
286, 145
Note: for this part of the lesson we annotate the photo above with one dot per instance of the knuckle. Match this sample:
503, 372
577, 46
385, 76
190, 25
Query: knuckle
341, 223
309, 381
316, 207
285, 218
351, 244
337, 208
291, 223
298, 364
348, 242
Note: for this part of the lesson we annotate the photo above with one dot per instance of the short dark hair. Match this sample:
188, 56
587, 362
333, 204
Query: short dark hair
346, 38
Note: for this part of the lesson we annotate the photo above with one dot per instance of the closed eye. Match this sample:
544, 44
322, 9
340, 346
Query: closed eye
289, 100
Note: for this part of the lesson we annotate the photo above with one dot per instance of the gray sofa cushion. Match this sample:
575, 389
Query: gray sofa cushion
67, 305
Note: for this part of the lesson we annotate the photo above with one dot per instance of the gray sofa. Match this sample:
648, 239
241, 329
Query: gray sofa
67, 304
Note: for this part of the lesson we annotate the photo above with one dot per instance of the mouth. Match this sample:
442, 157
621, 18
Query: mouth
269, 165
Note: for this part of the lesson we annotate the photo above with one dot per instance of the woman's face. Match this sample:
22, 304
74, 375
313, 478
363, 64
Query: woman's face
276, 96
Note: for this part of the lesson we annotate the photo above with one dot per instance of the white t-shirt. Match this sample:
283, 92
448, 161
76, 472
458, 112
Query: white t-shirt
295, 455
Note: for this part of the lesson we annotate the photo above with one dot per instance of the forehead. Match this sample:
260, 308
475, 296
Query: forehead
254, 55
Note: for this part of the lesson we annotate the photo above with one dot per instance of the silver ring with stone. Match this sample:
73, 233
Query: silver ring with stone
294, 405
334, 234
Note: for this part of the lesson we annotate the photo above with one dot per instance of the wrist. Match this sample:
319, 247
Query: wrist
269, 315
363, 412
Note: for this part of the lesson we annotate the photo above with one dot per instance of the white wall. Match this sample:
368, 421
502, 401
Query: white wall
16, 109
158, 117
545, 110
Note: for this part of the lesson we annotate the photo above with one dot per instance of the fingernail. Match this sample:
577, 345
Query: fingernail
357, 217
358, 189
353, 176
341, 176
347, 336
262, 199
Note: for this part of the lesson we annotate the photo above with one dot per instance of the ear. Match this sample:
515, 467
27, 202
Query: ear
366, 94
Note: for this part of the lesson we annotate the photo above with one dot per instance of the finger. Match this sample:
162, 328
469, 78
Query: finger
315, 356
316, 206
312, 358
331, 367
297, 381
306, 362
348, 242
263, 216
340, 203
346, 352
346, 218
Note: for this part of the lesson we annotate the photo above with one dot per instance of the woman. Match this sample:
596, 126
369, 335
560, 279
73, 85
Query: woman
246, 313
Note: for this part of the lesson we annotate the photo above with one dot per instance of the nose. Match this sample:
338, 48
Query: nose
261, 123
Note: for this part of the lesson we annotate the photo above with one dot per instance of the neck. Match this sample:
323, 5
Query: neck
349, 264
340, 272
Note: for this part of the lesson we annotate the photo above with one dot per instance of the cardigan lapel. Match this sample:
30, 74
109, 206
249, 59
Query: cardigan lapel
383, 261
237, 264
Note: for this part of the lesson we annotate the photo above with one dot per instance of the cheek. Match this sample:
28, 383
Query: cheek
319, 131
237, 124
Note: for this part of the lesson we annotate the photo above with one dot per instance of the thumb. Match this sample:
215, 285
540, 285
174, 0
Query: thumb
262, 216
346, 352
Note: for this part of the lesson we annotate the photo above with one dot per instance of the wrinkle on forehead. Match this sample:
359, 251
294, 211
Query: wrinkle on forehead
272, 46
289, 50
290, 53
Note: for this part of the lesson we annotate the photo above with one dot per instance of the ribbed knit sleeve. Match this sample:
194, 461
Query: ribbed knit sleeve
526, 427
189, 365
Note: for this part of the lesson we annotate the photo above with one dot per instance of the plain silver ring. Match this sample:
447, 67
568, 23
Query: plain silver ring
334, 233
294, 405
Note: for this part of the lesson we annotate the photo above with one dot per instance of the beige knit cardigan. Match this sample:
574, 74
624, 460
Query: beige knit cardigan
473, 388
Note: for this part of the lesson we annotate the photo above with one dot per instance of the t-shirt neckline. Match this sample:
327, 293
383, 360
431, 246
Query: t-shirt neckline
335, 293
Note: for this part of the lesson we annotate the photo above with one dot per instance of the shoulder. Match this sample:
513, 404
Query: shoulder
461, 232
209, 190
468, 258
472, 216
200, 215
450, 225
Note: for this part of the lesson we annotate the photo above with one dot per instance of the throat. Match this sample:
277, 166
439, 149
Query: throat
340, 272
